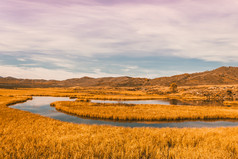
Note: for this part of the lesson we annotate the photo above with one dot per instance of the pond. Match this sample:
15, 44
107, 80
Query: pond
41, 105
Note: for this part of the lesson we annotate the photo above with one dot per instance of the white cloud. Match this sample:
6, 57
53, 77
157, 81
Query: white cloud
59, 61
34, 73
43, 73
129, 68
21, 59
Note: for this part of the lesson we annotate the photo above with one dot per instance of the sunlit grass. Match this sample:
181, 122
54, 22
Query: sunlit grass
27, 135
146, 112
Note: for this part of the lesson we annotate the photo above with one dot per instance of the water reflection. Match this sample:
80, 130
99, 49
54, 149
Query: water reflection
164, 102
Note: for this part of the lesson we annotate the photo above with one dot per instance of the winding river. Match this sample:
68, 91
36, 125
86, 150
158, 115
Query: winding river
41, 105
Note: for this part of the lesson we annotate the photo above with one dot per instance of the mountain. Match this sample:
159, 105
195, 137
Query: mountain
219, 76
10, 82
105, 81
222, 75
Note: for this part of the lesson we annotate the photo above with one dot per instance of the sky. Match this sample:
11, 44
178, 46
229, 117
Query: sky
62, 39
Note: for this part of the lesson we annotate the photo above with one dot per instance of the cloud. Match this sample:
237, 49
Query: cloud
129, 68
21, 59
43, 73
56, 61
61, 74
48, 67
68, 36
182, 28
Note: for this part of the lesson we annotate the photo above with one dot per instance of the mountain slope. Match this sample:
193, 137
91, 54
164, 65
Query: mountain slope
222, 75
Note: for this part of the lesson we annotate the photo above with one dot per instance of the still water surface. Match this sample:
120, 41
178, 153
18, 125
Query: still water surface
164, 102
41, 105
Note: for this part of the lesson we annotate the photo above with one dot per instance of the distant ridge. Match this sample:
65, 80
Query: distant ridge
219, 76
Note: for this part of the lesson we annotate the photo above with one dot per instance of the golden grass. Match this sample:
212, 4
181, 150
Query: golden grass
24, 135
27, 135
146, 112
10, 100
88, 93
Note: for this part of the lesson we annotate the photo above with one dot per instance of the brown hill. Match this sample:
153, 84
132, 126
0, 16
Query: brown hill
222, 75
106, 81
219, 76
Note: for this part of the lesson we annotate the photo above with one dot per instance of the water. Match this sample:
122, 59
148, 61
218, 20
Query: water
41, 105
164, 102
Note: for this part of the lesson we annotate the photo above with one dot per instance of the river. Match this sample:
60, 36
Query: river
41, 105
